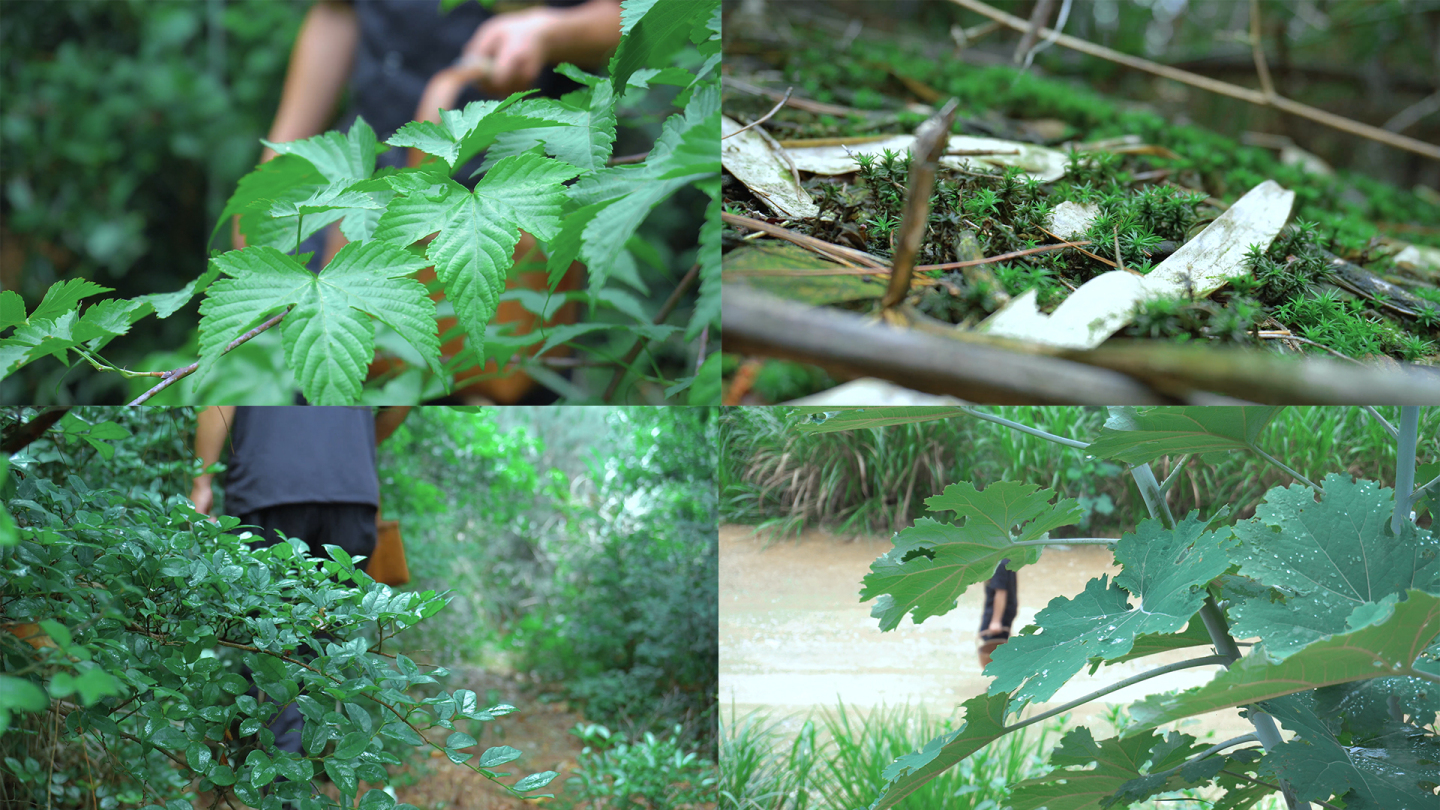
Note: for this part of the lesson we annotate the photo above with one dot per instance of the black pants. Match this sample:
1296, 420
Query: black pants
351, 526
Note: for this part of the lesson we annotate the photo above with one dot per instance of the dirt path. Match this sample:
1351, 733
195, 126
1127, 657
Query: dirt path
795, 637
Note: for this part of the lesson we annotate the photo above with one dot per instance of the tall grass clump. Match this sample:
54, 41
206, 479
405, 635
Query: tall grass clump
834, 761
876, 481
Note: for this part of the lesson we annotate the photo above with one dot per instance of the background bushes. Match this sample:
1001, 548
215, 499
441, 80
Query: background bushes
877, 480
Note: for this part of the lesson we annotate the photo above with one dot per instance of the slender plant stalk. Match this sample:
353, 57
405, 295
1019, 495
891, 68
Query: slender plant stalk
1117, 686
1174, 475
1405, 466
1374, 414
175, 375
1265, 729
1209, 752
1278, 463
1416, 494
1000, 420
1070, 541
660, 317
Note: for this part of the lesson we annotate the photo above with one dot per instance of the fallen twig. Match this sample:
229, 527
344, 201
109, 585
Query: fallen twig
838, 253
762, 119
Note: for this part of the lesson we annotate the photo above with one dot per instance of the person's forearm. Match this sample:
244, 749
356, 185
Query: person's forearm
212, 426
997, 614
319, 67
584, 34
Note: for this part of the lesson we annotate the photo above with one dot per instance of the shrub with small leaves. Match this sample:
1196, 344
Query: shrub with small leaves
153, 647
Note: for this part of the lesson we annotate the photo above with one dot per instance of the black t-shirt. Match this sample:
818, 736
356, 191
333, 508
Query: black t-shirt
1003, 580
285, 455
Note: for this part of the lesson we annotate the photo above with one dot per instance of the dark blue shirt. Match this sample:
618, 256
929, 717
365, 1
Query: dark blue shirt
287, 455
1003, 580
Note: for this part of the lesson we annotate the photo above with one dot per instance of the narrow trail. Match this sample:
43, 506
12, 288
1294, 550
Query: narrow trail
794, 636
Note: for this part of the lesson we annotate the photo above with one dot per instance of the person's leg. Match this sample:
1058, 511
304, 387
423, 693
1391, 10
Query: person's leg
290, 520
351, 526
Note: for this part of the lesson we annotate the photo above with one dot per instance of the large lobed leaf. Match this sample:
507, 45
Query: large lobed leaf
933, 563
1385, 639
1131, 767
328, 341
1395, 767
1318, 562
1140, 436
1167, 569
984, 723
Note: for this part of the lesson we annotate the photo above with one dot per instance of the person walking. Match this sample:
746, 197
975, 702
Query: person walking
1001, 602
302, 472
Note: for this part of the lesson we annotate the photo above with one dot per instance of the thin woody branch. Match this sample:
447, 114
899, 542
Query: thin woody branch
176, 375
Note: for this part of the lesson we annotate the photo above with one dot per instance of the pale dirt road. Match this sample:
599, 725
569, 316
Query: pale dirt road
794, 636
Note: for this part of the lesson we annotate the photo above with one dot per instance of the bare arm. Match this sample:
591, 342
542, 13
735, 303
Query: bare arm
212, 426
319, 65
997, 614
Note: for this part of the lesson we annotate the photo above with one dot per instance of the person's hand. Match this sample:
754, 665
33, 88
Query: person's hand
516, 45
203, 497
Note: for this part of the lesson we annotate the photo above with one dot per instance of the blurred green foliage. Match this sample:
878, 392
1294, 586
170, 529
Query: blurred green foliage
125, 127
582, 541
877, 480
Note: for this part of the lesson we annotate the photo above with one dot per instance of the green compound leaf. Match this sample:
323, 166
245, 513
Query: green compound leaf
1109, 767
476, 246
328, 344
707, 309
526, 191
619, 217
1396, 767
687, 144
1139, 436
653, 32
337, 157
461, 134
1322, 560
1386, 639
1167, 569
270, 181
418, 210
933, 563
335, 196
62, 297
585, 140
12, 309
984, 723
